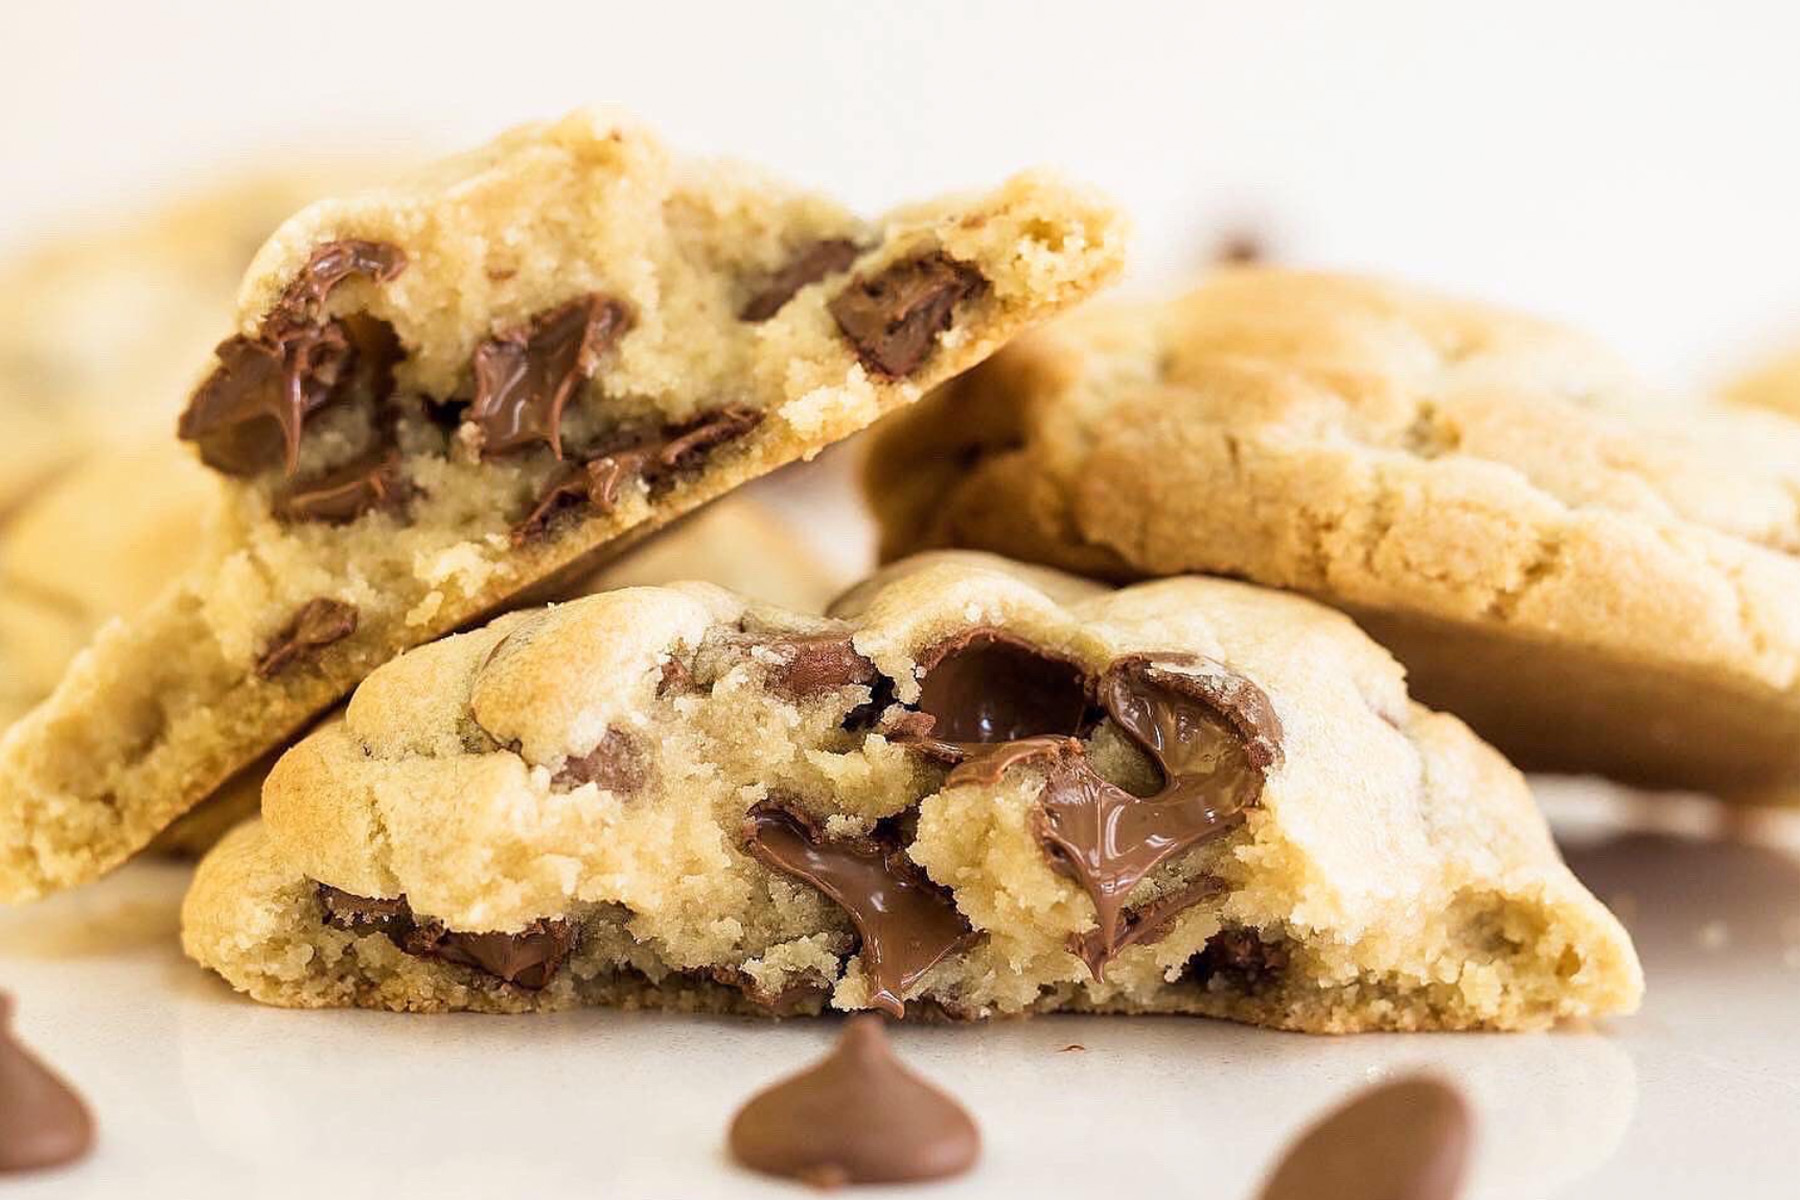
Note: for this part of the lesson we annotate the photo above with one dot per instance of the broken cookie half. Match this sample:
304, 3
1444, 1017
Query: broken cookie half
973, 790
487, 379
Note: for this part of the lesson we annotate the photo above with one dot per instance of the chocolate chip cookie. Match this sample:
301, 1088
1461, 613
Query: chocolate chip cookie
481, 380
1593, 586
972, 790
102, 327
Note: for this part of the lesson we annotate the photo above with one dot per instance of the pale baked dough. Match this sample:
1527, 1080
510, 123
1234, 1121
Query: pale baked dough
163, 708
1395, 873
1595, 581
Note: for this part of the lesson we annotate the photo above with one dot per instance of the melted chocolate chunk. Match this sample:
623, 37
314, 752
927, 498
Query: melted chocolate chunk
1148, 923
1240, 957
809, 665
318, 624
792, 1000
526, 959
809, 266
364, 485
525, 376
858, 1116
893, 319
598, 483
615, 765
1210, 733
908, 924
986, 685
43, 1122
250, 412
1406, 1140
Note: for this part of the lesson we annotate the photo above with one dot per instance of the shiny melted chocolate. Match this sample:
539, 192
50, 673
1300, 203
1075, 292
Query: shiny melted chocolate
907, 923
893, 318
524, 377
527, 959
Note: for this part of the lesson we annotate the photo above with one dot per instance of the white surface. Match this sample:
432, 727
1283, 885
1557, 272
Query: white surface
1620, 163
202, 1094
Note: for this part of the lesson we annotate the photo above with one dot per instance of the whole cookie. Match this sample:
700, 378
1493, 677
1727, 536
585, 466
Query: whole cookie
972, 790
487, 379
1593, 586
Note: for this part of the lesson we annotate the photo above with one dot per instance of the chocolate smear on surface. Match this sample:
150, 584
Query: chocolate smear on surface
615, 765
908, 924
857, 1116
318, 624
985, 685
598, 483
250, 412
810, 265
808, 665
373, 481
526, 959
893, 318
1406, 1140
1211, 734
525, 376
43, 1122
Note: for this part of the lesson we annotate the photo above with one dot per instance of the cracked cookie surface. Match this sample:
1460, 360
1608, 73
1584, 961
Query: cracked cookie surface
490, 377
975, 789
1593, 584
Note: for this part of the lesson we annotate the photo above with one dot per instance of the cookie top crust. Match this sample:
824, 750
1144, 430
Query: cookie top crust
1454, 474
561, 759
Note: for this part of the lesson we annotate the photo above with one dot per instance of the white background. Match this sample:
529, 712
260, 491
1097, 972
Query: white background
1629, 167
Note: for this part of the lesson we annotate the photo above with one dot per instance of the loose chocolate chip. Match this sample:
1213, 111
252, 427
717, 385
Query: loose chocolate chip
1212, 734
43, 1122
373, 481
809, 266
810, 665
598, 482
525, 376
1240, 957
318, 624
1407, 1140
526, 959
986, 685
858, 1116
893, 319
250, 412
907, 923
615, 765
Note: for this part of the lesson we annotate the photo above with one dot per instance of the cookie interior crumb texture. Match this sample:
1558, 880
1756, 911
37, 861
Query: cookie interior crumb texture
1596, 581
491, 377
971, 790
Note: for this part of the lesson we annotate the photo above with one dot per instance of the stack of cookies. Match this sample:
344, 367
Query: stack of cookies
1209, 630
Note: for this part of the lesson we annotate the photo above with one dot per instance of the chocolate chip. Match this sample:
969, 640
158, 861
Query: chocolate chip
1407, 1140
318, 624
615, 765
1148, 923
893, 319
43, 1122
1241, 958
250, 412
986, 685
809, 266
525, 376
526, 959
1212, 734
598, 483
370, 482
907, 923
810, 665
857, 1116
